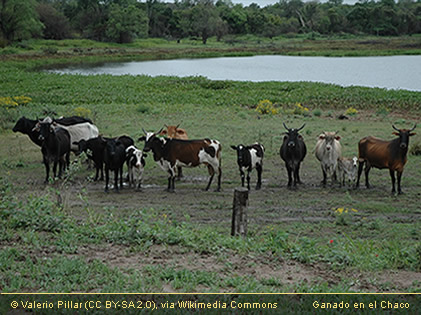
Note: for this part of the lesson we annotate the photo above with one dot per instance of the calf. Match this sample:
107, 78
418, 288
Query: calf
171, 153
96, 147
136, 164
347, 168
293, 151
248, 158
374, 152
114, 157
328, 150
55, 148
174, 132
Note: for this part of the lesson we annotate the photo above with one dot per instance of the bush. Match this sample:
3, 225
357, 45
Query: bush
266, 107
351, 111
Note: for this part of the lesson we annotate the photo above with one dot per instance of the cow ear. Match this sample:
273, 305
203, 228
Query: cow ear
395, 133
144, 155
338, 138
300, 137
180, 131
322, 137
234, 147
164, 132
143, 138
412, 134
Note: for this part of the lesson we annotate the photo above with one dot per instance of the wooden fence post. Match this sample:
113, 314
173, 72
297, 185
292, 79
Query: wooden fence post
239, 212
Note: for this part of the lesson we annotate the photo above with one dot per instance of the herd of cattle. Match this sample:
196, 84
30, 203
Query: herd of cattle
172, 150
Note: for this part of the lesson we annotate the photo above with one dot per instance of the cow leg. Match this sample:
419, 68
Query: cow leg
289, 171
96, 173
179, 172
360, 170
400, 192
212, 174
248, 179
130, 175
218, 188
121, 176
259, 176
324, 177
298, 174
116, 180
107, 178
242, 177
55, 167
47, 169
61, 165
367, 170
101, 166
392, 176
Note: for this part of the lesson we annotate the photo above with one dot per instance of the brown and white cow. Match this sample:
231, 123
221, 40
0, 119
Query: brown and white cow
174, 132
171, 153
374, 152
328, 150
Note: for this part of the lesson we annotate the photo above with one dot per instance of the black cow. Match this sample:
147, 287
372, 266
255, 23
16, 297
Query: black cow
55, 148
114, 158
293, 151
248, 158
96, 146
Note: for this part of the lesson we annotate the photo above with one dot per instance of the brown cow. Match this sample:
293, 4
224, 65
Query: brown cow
381, 154
171, 153
173, 132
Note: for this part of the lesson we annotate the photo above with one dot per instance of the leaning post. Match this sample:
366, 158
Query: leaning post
239, 212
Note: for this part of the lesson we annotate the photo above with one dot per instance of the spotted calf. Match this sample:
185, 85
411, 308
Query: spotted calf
248, 158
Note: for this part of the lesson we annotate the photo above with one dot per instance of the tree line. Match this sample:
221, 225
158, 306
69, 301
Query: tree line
122, 21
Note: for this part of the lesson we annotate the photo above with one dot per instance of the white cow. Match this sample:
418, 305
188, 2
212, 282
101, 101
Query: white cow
328, 150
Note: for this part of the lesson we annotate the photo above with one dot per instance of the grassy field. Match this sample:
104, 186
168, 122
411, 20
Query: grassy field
71, 236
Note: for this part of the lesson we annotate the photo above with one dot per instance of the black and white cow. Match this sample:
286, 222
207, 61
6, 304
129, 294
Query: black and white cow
136, 165
248, 158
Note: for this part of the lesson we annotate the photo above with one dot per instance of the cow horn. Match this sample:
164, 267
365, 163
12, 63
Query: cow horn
286, 127
415, 126
144, 131
157, 133
177, 126
301, 127
166, 126
395, 128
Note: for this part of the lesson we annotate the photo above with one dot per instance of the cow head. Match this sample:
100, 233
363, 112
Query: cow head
241, 151
292, 137
173, 132
404, 135
21, 125
329, 139
112, 145
82, 145
45, 130
136, 155
151, 140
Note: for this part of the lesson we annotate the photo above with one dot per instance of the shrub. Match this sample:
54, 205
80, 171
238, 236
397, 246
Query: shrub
351, 111
317, 112
300, 110
82, 112
266, 107
415, 148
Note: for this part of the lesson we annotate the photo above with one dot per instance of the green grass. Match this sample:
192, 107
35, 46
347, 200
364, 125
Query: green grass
53, 237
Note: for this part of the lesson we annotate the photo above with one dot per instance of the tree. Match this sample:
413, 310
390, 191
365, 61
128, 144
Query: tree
19, 20
125, 22
205, 21
56, 25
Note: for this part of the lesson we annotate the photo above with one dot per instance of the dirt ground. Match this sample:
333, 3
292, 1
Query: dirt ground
274, 204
